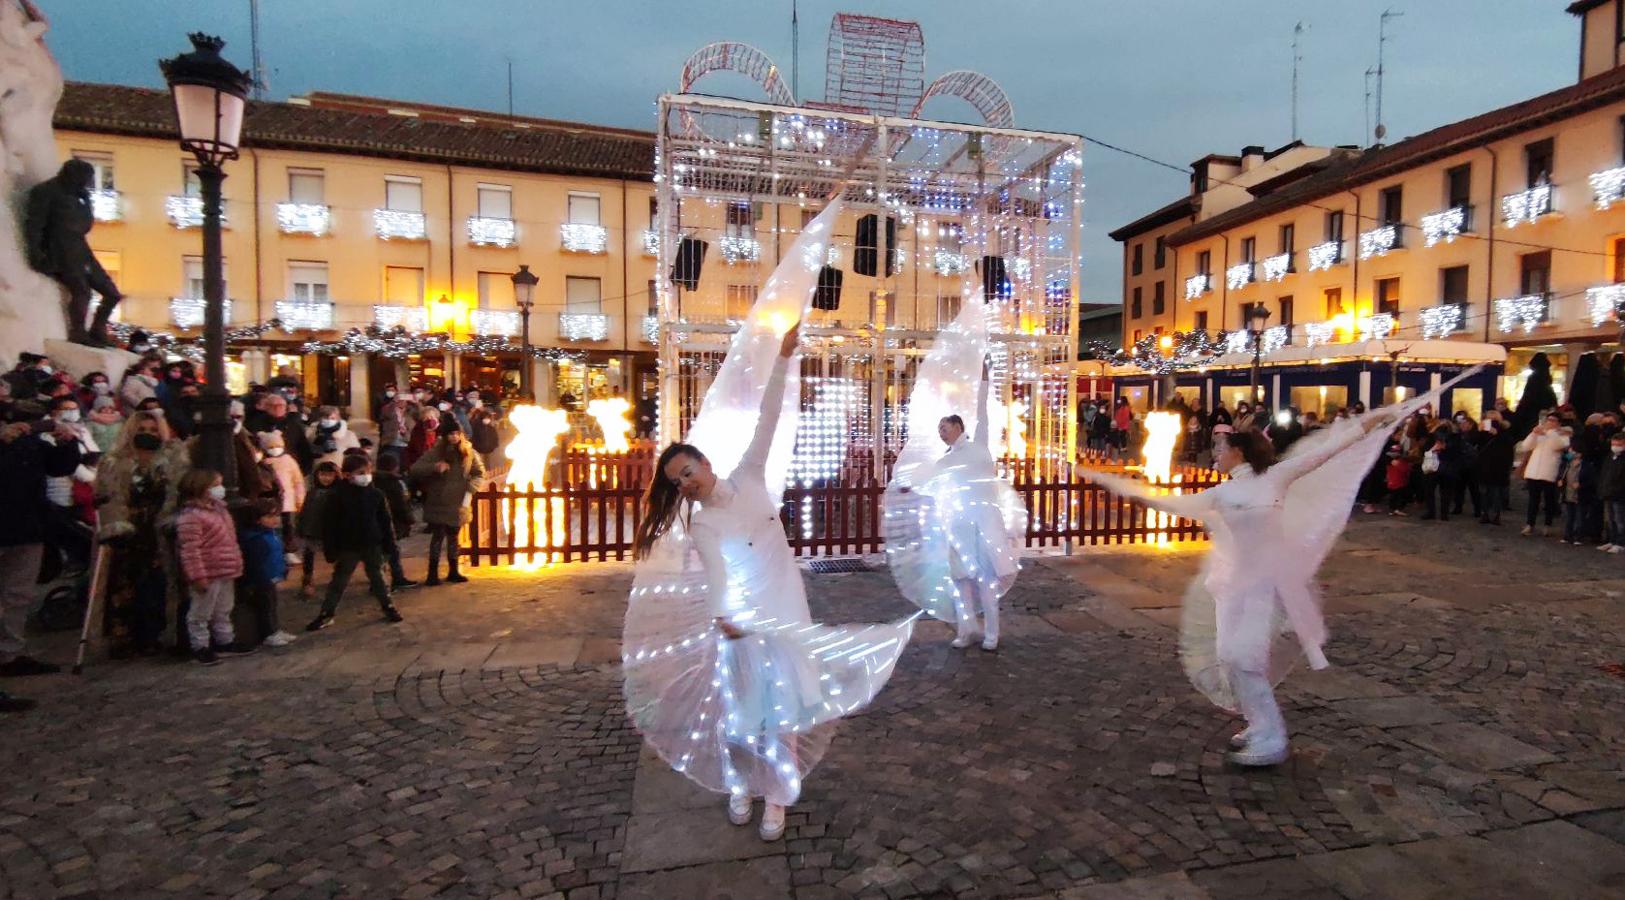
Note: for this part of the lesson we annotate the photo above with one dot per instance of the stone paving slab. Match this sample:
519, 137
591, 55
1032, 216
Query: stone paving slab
1173, 886
765, 878
1475, 745
1392, 712
676, 839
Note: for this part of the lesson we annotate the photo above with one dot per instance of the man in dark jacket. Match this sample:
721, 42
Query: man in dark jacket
26, 460
273, 415
1611, 488
356, 530
1494, 468
393, 486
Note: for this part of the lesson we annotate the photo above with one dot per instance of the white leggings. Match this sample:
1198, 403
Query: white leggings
972, 594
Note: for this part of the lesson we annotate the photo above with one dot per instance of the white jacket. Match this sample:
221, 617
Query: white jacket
1545, 454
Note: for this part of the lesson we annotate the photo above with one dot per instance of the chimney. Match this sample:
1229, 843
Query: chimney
1251, 158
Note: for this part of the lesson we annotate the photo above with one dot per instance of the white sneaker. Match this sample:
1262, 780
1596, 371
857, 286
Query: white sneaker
291, 559
1606, 548
1527, 530
279, 639
1259, 754
739, 809
1616, 549
1239, 740
965, 640
990, 644
772, 827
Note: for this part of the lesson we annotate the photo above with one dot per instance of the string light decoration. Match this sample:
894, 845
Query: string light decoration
106, 205
305, 315
187, 312
651, 242
1239, 275
740, 249
583, 326
1440, 321
399, 225
1443, 226
1526, 206
1526, 313
397, 343
1378, 241
1324, 256
412, 318
1605, 303
949, 262
303, 218
1608, 186
1317, 333
576, 237
191, 348
485, 231
1197, 285
1275, 337
1276, 267
1377, 327
503, 322
1188, 350
823, 433
651, 329
187, 212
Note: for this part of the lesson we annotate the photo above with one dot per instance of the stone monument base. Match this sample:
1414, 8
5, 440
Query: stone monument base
79, 360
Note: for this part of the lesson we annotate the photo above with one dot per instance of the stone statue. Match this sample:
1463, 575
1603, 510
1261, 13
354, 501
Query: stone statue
59, 221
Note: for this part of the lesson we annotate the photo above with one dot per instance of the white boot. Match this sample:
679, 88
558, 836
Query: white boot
1266, 731
739, 808
772, 822
965, 609
990, 619
1240, 738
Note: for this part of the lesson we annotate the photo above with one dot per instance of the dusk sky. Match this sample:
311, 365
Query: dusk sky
1173, 79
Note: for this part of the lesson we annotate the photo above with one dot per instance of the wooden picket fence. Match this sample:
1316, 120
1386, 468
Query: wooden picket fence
591, 508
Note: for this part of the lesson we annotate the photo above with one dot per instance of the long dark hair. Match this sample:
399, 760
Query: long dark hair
660, 503
1256, 449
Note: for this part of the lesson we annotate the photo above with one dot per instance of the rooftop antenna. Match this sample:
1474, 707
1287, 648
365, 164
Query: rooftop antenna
1382, 39
1297, 58
795, 51
1365, 128
510, 89
259, 84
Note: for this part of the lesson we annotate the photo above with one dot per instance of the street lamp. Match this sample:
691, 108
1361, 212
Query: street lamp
210, 95
524, 294
1257, 317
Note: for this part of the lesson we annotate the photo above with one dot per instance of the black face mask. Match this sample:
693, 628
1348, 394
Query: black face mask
145, 441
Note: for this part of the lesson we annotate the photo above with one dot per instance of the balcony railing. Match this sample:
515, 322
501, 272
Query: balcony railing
1442, 320
651, 242
583, 326
1526, 206
108, 206
1197, 285
414, 319
303, 218
949, 262
187, 212
1317, 333
1608, 186
399, 225
1239, 275
1277, 267
187, 312
1524, 313
485, 231
1444, 227
1324, 256
576, 237
1604, 304
651, 329
1378, 241
305, 315
494, 322
740, 249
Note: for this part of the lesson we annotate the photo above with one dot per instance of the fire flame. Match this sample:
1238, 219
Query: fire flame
614, 417
1161, 433
539, 432
1009, 430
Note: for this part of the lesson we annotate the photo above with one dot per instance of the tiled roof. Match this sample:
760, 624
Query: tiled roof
541, 145
1581, 7
1173, 212
1385, 162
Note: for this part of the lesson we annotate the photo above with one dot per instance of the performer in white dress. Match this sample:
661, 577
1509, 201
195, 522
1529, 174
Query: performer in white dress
1288, 513
727, 677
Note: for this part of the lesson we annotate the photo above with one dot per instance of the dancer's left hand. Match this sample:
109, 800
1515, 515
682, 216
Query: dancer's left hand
729, 630
792, 340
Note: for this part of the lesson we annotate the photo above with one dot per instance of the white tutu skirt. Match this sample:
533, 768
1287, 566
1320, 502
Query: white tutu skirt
931, 543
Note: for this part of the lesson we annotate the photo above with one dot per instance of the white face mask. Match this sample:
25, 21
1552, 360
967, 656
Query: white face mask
274, 451
47, 370
218, 492
474, 403
68, 416
389, 395
445, 407
361, 480
236, 426
102, 387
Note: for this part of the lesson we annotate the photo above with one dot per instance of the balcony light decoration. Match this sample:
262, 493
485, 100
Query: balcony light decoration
303, 218
1605, 303
187, 312
583, 326
484, 231
740, 249
1608, 186
187, 212
414, 319
305, 315
651, 329
1525, 313
651, 242
1377, 327
578, 238
1317, 333
1197, 285
1440, 321
108, 206
1378, 241
949, 262
1276, 267
1324, 256
399, 224
1526, 206
1444, 226
1239, 275
494, 322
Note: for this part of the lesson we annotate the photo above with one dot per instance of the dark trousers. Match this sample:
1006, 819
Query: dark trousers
1429, 485
372, 560
397, 572
287, 530
1616, 521
1573, 513
261, 598
442, 535
1495, 500
1541, 492
309, 560
144, 615
1467, 487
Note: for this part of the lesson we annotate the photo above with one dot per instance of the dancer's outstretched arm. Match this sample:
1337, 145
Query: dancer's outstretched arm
1186, 506
1298, 465
767, 419
981, 437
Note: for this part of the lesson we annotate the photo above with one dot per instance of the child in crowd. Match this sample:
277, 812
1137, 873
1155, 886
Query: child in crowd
1611, 489
286, 471
206, 541
356, 530
1568, 489
388, 479
1399, 480
310, 522
264, 566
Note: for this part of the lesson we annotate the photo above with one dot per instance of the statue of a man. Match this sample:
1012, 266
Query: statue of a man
55, 232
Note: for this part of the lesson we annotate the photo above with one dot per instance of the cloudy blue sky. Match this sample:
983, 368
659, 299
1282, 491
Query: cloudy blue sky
1174, 79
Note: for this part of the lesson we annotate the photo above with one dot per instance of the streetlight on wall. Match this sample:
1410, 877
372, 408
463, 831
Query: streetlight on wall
210, 95
1257, 318
524, 294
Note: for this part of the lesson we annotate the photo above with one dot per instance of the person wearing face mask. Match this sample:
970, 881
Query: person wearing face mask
424, 434
1611, 489
140, 383
31, 376
26, 461
273, 414
211, 562
397, 416
448, 475
136, 491
285, 470
91, 387
104, 422
330, 436
251, 485
180, 408
356, 531
69, 536
460, 407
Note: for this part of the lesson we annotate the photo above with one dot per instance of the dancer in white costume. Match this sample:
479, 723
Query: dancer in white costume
727, 677
953, 526
1237, 612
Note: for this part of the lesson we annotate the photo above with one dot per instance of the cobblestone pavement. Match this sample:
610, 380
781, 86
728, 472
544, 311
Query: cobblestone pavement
1469, 741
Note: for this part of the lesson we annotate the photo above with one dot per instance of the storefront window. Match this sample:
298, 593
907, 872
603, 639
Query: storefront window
1467, 400
1517, 372
1323, 400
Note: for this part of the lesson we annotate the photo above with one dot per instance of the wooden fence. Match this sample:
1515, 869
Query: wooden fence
590, 511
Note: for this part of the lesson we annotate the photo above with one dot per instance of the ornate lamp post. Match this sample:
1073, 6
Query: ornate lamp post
210, 95
524, 294
1257, 317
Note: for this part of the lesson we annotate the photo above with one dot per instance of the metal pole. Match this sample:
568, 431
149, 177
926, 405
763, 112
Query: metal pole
526, 364
1258, 346
214, 427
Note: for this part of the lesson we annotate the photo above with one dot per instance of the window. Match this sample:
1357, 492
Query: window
307, 282
583, 295
1619, 260
740, 298
189, 182
496, 290
496, 201
1535, 272
1458, 185
1388, 296
307, 186
584, 209
1289, 236
807, 215
741, 220
1286, 310
1334, 302
654, 213
404, 194
1159, 298
653, 296
1538, 156
403, 286
192, 276
1391, 206
1249, 249
948, 308
1137, 334
1453, 285
1201, 320
1622, 124
1159, 256
891, 306
1138, 265
1334, 226
1244, 311
1204, 262
1136, 310
101, 167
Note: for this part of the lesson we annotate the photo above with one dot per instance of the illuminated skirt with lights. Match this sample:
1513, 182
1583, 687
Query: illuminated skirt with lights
752, 716
928, 550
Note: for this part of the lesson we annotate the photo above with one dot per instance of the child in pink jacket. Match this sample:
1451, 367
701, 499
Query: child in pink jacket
211, 561
286, 470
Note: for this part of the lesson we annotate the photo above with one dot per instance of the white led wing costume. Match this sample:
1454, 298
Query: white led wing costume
957, 520
750, 716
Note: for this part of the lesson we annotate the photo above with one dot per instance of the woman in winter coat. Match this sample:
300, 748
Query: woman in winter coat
140, 383
284, 469
330, 436
448, 475
1544, 446
424, 434
136, 483
1492, 467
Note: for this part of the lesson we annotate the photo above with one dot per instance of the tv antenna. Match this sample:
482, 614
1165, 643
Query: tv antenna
1297, 59
1381, 130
